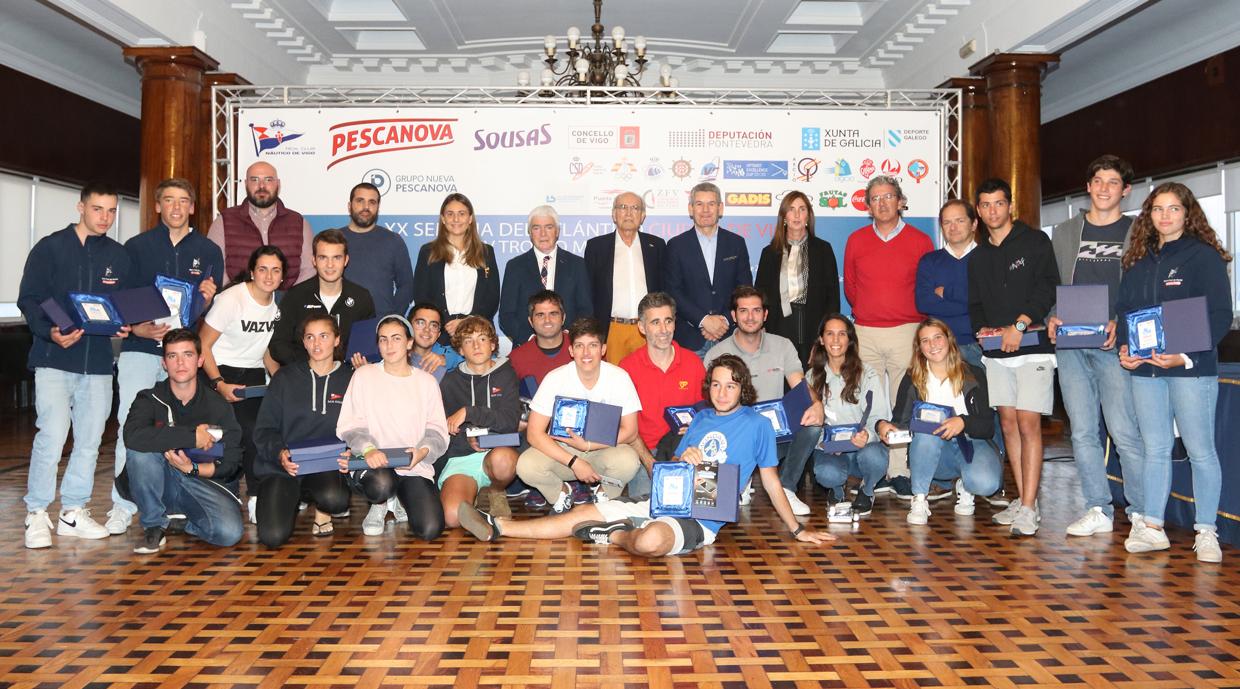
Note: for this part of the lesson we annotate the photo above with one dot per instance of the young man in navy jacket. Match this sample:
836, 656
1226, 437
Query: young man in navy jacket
73, 371
174, 249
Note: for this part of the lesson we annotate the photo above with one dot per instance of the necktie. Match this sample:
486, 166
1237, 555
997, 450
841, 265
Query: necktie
543, 272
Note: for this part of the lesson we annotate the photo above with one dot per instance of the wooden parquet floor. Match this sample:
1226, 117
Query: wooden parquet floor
956, 604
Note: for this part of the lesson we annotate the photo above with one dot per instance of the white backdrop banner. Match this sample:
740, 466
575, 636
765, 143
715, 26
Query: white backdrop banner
508, 160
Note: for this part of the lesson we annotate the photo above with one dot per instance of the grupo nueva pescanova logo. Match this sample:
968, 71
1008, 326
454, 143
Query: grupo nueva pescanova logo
368, 137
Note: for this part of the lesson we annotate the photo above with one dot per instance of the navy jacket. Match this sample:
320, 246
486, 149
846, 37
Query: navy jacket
299, 405
600, 262
158, 422
696, 296
193, 259
1186, 267
522, 280
428, 285
941, 269
822, 294
59, 264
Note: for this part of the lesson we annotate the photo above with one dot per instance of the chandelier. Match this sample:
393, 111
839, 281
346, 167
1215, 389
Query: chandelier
600, 64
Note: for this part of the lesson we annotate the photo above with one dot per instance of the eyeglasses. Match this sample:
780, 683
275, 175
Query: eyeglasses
627, 207
262, 180
882, 197
423, 323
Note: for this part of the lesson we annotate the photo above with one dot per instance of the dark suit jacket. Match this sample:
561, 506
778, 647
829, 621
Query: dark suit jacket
822, 294
686, 279
522, 281
428, 285
601, 259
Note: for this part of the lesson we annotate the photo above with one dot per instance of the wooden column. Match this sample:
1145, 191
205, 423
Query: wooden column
207, 166
171, 118
974, 157
1014, 89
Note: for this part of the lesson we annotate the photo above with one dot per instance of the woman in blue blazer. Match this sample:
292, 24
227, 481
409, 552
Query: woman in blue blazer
456, 271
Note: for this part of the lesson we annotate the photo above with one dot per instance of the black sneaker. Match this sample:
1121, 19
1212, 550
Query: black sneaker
884, 486
863, 504
517, 490
998, 499
477, 522
937, 492
176, 523
152, 540
600, 532
902, 487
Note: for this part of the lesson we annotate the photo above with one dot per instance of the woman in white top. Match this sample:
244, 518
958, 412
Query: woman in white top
960, 447
235, 333
456, 271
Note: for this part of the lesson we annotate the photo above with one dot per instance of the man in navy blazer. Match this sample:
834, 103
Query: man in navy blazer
544, 266
703, 267
624, 266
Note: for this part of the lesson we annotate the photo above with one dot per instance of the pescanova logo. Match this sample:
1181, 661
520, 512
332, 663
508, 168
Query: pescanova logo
369, 137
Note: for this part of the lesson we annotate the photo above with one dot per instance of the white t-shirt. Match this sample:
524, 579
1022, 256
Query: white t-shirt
245, 327
612, 387
940, 392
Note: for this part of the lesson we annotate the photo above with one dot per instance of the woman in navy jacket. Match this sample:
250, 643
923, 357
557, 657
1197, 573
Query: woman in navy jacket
456, 271
1175, 254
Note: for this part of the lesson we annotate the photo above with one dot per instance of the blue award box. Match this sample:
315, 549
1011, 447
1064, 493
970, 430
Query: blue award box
362, 340
205, 456
837, 439
680, 416
928, 417
59, 317
785, 413
251, 391
104, 314
184, 301
493, 440
1084, 312
708, 491
1179, 326
597, 422
316, 456
396, 456
993, 342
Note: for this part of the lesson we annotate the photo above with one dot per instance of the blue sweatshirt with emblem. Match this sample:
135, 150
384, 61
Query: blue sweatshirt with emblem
193, 259
58, 264
1186, 267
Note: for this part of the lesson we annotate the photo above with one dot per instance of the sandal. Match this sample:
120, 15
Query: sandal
323, 529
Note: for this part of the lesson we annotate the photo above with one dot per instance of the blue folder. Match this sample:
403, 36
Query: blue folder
362, 340
316, 456
494, 440
396, 456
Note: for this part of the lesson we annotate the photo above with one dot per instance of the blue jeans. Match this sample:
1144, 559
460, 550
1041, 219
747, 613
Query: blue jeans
63, 400
1193, 403
135, 372
930, 458
833, 470
794, 455
1093, 382
212, 512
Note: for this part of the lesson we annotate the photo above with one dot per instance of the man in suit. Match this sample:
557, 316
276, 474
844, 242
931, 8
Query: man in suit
703, 267
544, 266
624, 266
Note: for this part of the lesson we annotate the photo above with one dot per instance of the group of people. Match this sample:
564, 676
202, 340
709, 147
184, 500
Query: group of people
445, 430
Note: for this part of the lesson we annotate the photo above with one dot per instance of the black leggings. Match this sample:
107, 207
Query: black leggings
419, 497
279, 495
246, 412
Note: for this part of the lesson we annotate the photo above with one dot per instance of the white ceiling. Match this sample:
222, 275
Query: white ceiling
854, 44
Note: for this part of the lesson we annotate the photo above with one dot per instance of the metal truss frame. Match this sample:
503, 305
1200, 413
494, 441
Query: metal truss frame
228, 100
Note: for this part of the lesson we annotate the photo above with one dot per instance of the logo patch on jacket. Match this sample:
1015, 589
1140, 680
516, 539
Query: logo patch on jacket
348, 301
195, 267
1172, 283
109, 278
335, 398
1018, 263
496, 391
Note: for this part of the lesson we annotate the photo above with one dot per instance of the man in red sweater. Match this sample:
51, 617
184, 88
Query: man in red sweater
880, 276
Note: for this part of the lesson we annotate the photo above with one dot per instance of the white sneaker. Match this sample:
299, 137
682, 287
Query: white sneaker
118, 522
1137, 522
38, 530
964, 500
799, 508
1094, 521
919, 511
1206, 546
397, 510
252, 508
375, 519
1145, 539
1008, 515
564, 502
747, 494
1026, 522
78, 523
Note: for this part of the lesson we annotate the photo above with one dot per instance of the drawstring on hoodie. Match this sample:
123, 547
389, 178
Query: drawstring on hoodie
314, 389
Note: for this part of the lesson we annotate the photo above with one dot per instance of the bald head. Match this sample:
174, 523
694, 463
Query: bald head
262, 185
628, 211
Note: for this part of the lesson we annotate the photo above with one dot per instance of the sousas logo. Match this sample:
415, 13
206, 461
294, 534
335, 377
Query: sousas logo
368, 137
513, 138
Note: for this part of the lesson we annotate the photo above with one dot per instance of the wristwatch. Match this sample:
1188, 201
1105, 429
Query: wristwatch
1021, 326
193, 468
572, 461
215, 383
797, 531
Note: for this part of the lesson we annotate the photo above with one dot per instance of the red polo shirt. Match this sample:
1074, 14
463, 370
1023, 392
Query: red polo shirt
679, 385
529, 360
